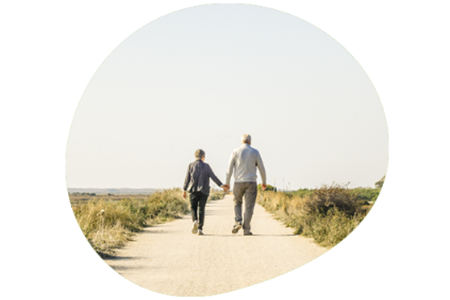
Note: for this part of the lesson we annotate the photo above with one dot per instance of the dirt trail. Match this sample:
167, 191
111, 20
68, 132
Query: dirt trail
169, 259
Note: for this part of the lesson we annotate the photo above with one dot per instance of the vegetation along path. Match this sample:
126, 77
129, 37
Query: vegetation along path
169, 259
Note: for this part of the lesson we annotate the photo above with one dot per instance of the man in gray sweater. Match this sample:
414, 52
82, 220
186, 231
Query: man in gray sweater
244, 161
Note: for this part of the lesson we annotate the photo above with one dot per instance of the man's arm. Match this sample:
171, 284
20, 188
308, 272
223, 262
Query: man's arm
188, 178
214, 177
262, 170
231, 164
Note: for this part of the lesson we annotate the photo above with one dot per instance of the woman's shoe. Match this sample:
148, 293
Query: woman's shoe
195, 227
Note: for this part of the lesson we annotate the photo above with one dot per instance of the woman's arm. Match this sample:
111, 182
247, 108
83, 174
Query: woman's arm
213, 176
188, 178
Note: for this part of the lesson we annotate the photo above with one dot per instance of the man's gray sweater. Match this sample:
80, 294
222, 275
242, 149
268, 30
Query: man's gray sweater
244, 161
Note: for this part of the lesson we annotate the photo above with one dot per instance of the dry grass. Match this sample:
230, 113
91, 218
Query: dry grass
79, 198
214, 195
328, 215
108, 225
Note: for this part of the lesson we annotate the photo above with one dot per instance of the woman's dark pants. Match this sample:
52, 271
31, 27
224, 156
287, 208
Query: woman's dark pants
198, 201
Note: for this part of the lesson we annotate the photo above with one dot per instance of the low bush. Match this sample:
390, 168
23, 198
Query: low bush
216, 195
107, 225
327, 214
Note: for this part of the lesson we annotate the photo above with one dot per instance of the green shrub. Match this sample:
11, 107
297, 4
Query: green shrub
268, 188
367, 194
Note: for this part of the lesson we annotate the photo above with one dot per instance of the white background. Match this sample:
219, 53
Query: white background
32, 157
307, 96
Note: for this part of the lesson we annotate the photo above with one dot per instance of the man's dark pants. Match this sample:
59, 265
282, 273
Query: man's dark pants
198, 200
249, 190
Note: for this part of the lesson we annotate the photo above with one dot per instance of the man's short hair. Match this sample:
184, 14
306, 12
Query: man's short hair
199, 153
246, 138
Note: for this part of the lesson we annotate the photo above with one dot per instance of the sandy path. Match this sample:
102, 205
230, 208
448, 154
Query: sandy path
169, 259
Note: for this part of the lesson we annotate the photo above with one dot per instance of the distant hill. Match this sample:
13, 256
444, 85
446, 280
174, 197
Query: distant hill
119, 191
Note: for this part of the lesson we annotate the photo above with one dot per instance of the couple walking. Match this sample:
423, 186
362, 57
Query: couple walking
244, 161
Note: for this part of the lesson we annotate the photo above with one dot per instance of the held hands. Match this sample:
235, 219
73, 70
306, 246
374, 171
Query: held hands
263, 187
225, 187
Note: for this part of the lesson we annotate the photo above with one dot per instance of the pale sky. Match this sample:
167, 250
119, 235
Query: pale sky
203, 76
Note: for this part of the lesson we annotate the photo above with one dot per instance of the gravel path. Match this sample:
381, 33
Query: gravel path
169, 259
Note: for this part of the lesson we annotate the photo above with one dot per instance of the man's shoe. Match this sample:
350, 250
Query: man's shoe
195, 227
248, 233
200, 232
236, 228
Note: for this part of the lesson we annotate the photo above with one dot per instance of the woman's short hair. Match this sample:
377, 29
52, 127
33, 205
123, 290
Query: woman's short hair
199, 153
